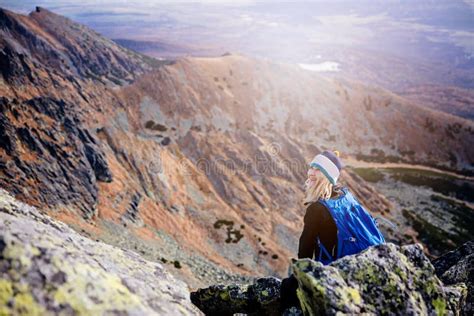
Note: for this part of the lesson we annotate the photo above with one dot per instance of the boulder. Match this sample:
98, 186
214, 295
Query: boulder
47, 268
260, 298
384, 279
457, 267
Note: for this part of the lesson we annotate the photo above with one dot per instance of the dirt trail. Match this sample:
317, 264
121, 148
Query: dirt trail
467, 204
351, 162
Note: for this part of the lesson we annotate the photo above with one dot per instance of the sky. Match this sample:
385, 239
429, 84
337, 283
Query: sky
363, 22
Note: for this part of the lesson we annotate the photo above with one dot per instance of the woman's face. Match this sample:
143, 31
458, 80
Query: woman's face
313, 172
313, 175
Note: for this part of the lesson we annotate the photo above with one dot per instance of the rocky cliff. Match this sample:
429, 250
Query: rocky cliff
62, 47
48, 268
64, 159
160, 157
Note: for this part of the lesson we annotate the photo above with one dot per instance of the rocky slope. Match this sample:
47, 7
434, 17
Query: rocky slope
453, 100
48, 268
383, 280
52, 151
59, 44
162, 157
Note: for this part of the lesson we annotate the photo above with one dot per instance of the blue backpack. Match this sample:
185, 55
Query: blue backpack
356, 228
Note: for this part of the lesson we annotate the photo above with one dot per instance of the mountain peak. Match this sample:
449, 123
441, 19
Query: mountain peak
41, 13
45, 11
58, 43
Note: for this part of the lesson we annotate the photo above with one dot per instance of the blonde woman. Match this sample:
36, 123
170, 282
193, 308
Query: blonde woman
335, 223
319, 226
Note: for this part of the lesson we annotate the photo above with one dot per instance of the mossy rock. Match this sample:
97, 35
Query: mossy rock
384, 279
46, 268
260, 298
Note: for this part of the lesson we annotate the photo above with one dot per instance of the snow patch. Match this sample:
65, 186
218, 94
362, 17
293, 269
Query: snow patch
327, 66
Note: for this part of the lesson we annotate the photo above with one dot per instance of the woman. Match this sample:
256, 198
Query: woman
335, 223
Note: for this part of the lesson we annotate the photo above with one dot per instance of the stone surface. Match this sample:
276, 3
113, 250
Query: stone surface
46, 267
457, 267
260, 298
384, 279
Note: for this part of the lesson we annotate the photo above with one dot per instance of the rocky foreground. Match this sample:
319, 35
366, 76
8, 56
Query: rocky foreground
385, 279
47, 268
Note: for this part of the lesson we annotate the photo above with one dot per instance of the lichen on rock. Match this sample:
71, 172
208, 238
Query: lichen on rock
385, 279
260, 298
457, 267
47, 268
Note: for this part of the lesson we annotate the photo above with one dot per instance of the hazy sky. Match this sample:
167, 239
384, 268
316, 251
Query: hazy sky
398, 24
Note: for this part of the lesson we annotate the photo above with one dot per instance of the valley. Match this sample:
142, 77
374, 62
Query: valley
437, 205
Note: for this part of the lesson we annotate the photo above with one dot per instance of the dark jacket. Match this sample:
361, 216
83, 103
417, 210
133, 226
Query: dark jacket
318, 222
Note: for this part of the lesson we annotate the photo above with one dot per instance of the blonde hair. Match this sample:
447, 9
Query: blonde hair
319, 188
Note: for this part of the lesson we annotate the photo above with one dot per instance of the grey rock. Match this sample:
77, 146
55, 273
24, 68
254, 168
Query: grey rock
457, 267
260, 298
132, 215
384, 279
47, 268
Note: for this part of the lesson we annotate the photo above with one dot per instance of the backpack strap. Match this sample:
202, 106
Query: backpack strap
322, 250
339, 243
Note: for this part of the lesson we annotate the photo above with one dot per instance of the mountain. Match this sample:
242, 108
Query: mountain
199, 162
56, 44
453, 100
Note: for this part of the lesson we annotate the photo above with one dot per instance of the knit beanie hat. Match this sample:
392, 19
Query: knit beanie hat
329, 164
